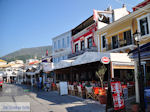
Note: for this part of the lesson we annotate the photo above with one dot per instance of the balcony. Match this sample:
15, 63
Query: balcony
92, 49
119, 44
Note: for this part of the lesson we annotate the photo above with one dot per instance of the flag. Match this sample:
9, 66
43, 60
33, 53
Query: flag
46, 52
95, 15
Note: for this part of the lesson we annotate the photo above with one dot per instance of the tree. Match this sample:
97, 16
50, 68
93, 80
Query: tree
100, 73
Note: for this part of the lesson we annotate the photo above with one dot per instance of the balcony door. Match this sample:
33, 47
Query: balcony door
114, 41
127, 37
76, 47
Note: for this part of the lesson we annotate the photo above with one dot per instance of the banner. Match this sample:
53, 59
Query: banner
117, 95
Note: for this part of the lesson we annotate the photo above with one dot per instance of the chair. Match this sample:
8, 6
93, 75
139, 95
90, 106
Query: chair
80, 92
69, 89
72, 90
96, 93
57, 85
89, 92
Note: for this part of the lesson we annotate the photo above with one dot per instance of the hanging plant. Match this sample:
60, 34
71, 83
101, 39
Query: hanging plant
100, 73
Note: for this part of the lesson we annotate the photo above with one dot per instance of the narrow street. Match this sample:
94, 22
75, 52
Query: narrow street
41, 101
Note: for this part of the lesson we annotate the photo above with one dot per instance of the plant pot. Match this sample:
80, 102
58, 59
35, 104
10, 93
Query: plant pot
102, 91
103, 99
148, 83
102, 96
135, 107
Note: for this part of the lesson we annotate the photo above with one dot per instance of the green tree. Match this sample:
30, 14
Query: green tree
100, 73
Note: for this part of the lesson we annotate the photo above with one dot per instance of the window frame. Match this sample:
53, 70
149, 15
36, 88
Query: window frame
77, 47
102, 41
81, 44
88, 42
68, 41
63, 42
55, 45
148, 21
125, 33
112, 41
59, 44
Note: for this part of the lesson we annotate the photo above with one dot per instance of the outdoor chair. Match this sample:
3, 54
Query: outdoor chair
69, 89
57, 85
89, 92
80, 92
72, 90
96, 93
76, 90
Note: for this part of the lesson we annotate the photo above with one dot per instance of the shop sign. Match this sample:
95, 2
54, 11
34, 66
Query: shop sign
105, 60
117, 95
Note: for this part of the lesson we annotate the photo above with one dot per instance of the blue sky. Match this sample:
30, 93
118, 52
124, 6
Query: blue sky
33, 23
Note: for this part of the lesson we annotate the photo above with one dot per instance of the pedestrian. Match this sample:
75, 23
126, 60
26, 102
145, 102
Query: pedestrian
37, 83
40, 82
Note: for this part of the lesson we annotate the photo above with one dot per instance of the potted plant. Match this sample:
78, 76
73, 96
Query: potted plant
102, 92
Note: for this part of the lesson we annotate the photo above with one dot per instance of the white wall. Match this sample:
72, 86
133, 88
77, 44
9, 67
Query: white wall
119, 13
3, 63
62, 52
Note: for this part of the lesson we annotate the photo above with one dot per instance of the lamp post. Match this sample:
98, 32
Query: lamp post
137, 37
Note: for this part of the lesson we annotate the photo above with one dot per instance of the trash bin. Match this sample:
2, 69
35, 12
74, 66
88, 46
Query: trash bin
147, 97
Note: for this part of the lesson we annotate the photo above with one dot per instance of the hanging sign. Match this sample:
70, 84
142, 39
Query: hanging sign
117, 95
105, 60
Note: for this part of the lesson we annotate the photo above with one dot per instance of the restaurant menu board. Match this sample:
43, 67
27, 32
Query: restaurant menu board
63, 88
117, 95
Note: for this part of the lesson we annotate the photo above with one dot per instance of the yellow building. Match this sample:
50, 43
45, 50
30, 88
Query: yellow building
118, 36
2, 63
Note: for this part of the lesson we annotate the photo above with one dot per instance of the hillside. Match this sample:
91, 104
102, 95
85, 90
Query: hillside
27, 53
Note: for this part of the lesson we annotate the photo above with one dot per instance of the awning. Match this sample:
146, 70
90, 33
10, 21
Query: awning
90, 57
144, 51
30, 73
63, 64
47, 67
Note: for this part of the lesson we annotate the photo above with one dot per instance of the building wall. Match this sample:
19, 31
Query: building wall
129, 22
3, 63
61, 46
83, 36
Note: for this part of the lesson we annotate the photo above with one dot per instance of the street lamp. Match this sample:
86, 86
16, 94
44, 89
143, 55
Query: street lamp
137, 37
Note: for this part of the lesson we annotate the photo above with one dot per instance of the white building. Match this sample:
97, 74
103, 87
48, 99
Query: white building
61, 46
14, 71
2, 62
84, 36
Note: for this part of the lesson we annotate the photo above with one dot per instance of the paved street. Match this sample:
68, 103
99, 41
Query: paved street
41, 101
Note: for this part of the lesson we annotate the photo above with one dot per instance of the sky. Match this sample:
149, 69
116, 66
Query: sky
33, 23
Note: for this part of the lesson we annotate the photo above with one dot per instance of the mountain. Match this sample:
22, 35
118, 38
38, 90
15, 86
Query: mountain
27, 53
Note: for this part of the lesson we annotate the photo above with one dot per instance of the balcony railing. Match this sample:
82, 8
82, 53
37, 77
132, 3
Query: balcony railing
77, 53
119, 44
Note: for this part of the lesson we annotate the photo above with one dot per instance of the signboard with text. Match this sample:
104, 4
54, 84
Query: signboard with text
117, 95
